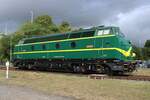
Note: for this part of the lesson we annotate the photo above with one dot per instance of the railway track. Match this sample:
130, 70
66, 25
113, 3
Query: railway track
97, 76
10, 68
123, 77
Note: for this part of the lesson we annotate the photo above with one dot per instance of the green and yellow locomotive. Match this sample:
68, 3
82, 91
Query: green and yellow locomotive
101, 49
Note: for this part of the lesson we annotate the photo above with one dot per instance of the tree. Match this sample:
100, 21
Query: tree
146, 53
53, 29
64, 27
77, 30
146, 50
5, 47
138, 52
44, 20
42, 25
147, 44
31, 29
7, 42
16, 37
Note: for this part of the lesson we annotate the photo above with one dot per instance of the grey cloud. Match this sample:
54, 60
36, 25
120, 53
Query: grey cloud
136, 24
80, 13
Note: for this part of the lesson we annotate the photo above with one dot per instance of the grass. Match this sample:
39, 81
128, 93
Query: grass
81, 88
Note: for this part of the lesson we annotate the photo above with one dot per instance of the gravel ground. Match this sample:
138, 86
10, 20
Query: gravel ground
22, 93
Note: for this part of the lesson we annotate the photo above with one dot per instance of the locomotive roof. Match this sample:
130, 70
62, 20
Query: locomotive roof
80, 31
65, 35
57, 34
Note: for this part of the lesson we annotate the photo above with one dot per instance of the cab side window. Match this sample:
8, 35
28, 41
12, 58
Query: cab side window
73, 44
32, 47
57, 45
43, 46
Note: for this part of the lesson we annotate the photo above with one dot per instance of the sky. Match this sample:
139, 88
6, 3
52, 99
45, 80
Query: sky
132, 16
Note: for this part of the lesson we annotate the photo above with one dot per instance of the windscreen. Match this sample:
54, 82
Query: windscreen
117, 31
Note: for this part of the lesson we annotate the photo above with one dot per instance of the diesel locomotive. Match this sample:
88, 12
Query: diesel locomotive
102, 49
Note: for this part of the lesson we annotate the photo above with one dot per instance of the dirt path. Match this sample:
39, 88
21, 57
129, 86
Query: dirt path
22, 93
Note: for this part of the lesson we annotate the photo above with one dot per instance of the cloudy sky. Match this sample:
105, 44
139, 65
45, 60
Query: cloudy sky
132, 16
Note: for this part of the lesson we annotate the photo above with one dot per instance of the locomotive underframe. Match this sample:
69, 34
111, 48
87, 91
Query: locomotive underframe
108, 66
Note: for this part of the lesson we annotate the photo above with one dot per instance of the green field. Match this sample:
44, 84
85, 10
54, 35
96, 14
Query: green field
79, 87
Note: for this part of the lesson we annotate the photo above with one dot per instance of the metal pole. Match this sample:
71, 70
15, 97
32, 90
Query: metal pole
7, 63
141, 52
5, 28
10, 57
31, 12
7, 69
10, 49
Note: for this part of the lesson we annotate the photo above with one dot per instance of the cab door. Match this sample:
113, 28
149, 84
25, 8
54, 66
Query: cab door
99, 43
103, 42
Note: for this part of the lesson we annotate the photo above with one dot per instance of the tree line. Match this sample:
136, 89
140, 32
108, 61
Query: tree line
144, 52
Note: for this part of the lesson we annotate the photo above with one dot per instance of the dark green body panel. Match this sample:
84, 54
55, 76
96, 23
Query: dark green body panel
81, 44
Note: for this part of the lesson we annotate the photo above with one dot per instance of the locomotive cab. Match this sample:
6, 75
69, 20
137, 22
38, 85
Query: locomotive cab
116, 51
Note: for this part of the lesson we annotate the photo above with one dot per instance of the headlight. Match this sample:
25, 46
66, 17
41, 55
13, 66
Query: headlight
133, 54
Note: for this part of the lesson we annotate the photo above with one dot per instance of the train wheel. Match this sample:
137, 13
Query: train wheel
108, 71
83, 70
30, 66
100, 69
76, 69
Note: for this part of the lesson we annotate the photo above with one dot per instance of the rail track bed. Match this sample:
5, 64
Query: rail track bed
122, 77
97, 76
10, 68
